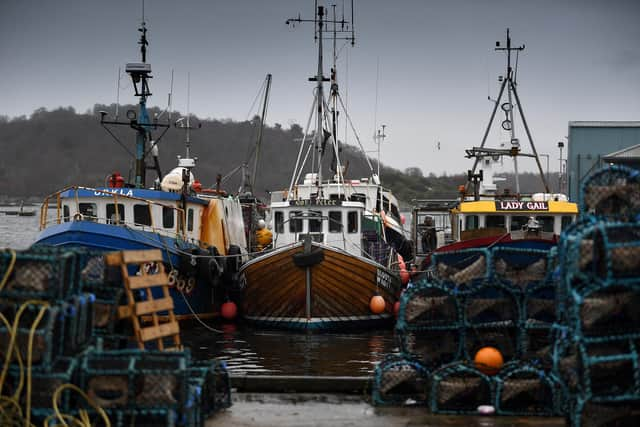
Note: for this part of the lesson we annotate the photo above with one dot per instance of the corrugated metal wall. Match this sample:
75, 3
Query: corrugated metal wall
589, 142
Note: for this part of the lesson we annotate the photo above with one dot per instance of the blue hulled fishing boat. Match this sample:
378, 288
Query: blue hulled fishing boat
200, 232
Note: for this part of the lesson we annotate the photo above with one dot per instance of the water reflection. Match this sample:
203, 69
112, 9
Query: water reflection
255, 351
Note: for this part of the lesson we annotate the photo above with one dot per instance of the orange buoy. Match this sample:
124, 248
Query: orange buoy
396, 308
377, 304
229, 310
488, 360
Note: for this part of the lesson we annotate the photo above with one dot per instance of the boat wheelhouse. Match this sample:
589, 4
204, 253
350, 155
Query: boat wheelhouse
484, 218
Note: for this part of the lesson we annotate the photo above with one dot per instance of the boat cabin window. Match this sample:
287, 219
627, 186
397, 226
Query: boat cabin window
89, 211
315, 224
352, 222
295, 223
358, 197
112, 218
190, 219
496, 221
517, 222
279, 222
546, 222
566, 221
167, 217
142, 214
471, 222
65, 213
335, 222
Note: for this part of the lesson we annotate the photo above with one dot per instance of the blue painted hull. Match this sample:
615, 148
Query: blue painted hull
105, 237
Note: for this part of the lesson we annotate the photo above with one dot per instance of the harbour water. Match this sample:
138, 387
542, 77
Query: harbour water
256, 351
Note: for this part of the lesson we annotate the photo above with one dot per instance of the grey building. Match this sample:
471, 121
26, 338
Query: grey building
594, 144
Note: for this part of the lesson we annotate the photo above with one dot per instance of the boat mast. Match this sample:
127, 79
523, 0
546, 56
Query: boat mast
140, 73
509, 82
320, 106
260, 131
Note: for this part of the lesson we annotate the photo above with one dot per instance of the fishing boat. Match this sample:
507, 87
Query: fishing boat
199, 231
484, 216
335, 240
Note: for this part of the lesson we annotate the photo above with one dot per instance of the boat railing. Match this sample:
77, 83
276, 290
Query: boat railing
56, 198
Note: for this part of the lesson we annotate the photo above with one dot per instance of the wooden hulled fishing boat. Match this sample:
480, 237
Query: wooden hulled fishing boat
334, 258
200, 232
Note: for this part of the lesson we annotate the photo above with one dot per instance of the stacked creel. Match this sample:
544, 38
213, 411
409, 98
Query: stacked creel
53, 321
46, 321
518, 388
154, 387
501, 297
597, 350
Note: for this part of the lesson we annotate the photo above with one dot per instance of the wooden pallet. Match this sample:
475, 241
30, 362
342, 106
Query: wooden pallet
165, 326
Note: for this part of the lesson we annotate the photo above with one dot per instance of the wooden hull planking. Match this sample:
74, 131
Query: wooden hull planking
341, 289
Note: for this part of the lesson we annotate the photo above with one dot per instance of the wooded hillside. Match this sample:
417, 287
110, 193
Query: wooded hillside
53, 149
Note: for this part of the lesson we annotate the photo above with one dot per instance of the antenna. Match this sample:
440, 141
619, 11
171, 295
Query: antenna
185, 124
509, 83
118, 92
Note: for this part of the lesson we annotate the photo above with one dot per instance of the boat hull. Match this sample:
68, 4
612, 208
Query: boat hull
107, 238
324, 289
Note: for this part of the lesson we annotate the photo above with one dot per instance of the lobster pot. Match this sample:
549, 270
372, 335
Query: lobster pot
463, 267
136, 379
565, 363
428, 304
488, 303
607, 310
377, 249
44, 383
599, 414
520, 268
48, 336
107, 301
432, 347
138, 417
38, 275
606, 252
504, 336
459, 389
79, 321
537, 342
539, 303
398, 380
609, 369
612, 193
211, 378
522, 389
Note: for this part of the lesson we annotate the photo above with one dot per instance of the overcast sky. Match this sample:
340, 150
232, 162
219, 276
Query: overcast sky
436, 64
